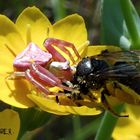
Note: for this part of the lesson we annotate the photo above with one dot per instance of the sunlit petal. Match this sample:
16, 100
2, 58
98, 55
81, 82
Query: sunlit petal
130, 126
34, 20
9, 125
9, 35
53, 107
14, 92
97, 49
6, 59
72, 29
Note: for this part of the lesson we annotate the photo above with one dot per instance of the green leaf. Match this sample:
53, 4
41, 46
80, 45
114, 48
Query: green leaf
114, 31
108, 123
31, 119
120, 24
132, 22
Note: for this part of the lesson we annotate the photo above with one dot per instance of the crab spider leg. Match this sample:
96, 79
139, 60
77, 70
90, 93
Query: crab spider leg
61, 44
55, 54
46, 77
38, 85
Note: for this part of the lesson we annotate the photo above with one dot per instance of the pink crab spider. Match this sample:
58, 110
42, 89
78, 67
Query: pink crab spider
46, 69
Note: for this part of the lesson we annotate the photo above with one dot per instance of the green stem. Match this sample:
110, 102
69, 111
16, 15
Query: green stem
89, 130
58, 9
127, 9
76, 126
108, 124
31, 119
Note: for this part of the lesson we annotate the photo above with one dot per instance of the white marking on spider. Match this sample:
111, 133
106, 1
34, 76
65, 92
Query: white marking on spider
16, 75
60, 65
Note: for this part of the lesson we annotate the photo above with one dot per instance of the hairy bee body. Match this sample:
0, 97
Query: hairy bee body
117, 73
92, 73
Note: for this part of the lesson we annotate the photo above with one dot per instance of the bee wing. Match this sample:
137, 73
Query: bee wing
120, 56
121, 70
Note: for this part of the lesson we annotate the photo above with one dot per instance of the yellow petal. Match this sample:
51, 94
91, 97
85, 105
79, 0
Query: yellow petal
38, 23
128, 128
14, 92
9, 125
9, 35
83, 110
48, 105
95, 50
71, 29
6, 60
133, 111
51, 106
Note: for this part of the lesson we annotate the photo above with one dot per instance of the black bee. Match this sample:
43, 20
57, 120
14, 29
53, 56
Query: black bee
116, 73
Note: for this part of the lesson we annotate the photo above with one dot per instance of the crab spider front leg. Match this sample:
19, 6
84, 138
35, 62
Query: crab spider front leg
41, 77
60, 66
61, 44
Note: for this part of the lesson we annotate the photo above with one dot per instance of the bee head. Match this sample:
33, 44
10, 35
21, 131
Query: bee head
84, 67
88, 72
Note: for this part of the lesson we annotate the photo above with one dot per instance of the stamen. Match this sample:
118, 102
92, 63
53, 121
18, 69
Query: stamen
48, 31
16, 75
28, 34
84, 45
13, 53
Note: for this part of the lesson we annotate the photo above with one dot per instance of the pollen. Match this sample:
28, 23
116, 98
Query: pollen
31, 60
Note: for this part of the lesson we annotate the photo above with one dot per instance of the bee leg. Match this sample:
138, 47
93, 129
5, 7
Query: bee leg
57, 99
107, 105
92, 97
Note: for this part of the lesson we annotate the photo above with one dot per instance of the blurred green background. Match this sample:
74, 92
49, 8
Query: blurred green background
64, 127
57, 9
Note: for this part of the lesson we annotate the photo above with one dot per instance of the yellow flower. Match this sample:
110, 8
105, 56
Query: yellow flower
33, 26
128, 128
9, 124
